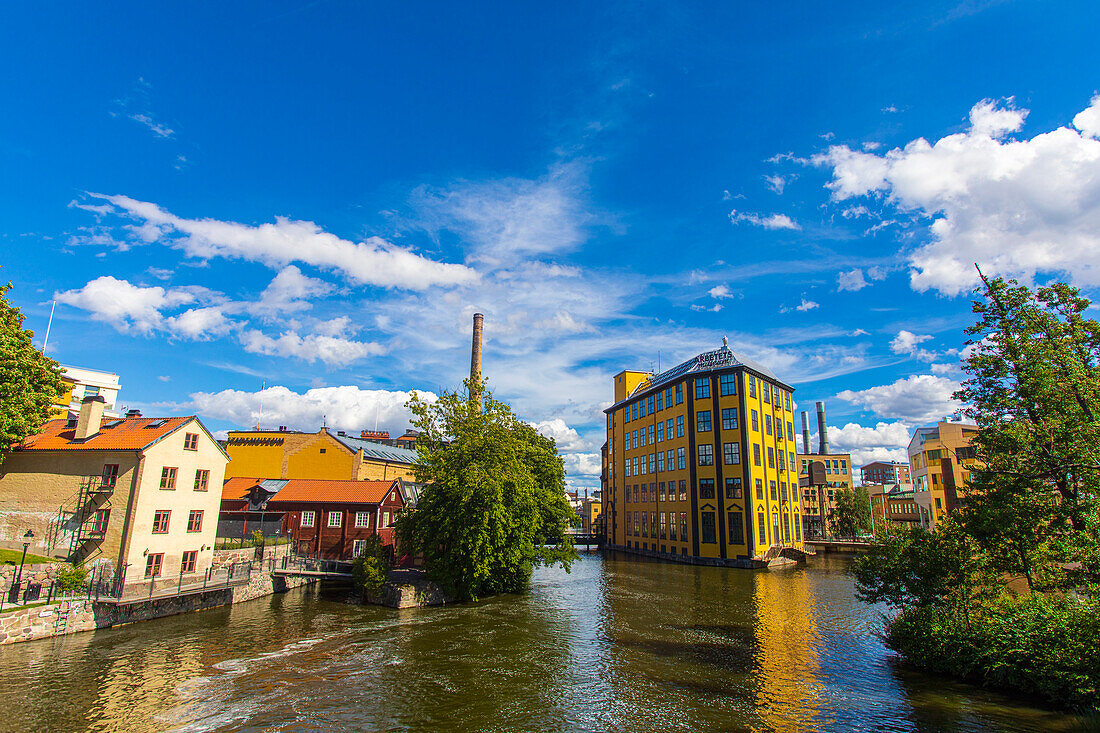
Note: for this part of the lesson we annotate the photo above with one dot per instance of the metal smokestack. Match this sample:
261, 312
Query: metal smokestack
475, 359
805, 433
822, 431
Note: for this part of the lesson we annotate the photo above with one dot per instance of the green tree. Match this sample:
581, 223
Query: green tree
915, 567
494, 497
29, 380
850, 514
370, 570
1033, 388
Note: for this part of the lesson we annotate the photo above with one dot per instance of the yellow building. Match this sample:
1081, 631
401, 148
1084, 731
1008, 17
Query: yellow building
286, 453
138, 495
941, 459
701, 463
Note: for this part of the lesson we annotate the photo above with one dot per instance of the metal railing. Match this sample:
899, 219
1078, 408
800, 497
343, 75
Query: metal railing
116, 587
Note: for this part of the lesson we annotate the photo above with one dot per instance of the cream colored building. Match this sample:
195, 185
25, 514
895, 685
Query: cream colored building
941, 458
138, 493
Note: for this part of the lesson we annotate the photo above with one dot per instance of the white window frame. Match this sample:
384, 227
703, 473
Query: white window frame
362, 521
335, 520
308, 519
358, 547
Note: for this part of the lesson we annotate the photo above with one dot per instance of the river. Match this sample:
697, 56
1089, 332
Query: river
619, 644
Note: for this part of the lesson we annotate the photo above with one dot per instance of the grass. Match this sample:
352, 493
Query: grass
11, 557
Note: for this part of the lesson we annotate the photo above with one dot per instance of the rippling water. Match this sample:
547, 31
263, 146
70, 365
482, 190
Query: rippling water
620, 644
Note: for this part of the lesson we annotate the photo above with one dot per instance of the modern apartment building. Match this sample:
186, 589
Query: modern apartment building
139, 494
701, 463
325, 454
885, 472
80, 383
941, 458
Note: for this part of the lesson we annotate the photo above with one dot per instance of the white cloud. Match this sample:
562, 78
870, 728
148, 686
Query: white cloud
806, 305
777, 182
347, 408
582, 469
851, 280
333, 350
716, 308
908, 343
884, 442
775, 221
876, 273
508, 219
199, 324
916, 400
290, 291
720, 291
127, 307
566, 438
373, 261
154, 127
1016, 207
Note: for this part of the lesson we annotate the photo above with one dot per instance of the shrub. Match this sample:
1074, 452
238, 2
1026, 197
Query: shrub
1036, 645
370, 570
71, 577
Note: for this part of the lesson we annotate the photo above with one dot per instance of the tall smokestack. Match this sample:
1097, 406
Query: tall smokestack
822, 431
805, 433
475, 359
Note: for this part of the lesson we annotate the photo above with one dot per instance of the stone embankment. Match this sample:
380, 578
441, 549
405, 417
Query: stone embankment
81, 614
408, 588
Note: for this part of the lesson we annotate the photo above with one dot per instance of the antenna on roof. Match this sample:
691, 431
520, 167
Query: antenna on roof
260, 416
49, 325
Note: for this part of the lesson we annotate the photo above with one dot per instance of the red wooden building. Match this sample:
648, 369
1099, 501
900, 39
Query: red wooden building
324, 518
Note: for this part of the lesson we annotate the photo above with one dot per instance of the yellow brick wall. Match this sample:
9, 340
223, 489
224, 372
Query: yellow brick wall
39, 491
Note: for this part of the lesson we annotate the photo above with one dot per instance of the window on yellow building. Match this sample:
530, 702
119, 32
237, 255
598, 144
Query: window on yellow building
707, 534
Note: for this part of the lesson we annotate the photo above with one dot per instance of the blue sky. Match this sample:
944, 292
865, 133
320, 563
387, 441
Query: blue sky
317, 196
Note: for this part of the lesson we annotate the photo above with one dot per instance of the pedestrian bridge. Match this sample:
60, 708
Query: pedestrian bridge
309, 567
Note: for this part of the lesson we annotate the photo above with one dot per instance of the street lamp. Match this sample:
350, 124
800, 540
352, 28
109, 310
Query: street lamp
27, 538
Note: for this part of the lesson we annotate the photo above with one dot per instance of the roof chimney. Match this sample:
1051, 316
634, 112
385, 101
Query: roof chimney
90, 418
475, 359
805, 433
822, 431
133, 413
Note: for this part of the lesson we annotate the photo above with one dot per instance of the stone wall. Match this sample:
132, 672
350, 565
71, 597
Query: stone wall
224, 558
70, 617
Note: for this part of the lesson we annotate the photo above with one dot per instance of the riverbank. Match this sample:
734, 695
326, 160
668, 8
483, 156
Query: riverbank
81, 614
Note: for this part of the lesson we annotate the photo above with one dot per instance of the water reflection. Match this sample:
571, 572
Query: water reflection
619, 644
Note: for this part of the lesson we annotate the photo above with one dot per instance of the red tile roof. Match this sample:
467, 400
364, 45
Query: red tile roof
129, 433
313, 490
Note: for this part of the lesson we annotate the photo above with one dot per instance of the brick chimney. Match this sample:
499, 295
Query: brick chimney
475, 359
90, 418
